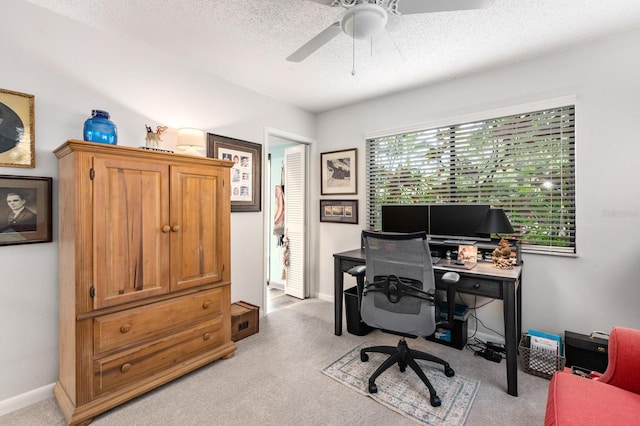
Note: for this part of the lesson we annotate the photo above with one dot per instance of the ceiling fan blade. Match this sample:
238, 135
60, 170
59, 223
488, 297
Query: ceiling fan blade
325, 2
316, 43
408, 7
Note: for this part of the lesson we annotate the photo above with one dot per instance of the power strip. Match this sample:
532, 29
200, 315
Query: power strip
489, 354
496, 347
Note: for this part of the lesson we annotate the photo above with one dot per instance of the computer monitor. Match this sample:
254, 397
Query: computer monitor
457, 221
405, 218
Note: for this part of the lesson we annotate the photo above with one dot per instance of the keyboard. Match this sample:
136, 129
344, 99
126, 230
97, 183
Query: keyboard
463, 242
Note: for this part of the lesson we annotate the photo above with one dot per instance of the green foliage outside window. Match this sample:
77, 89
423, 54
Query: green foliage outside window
524, 164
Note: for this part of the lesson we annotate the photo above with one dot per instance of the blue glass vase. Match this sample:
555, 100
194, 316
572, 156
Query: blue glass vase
98, 128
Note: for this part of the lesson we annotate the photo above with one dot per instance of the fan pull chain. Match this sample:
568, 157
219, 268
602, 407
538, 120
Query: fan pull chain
353, 38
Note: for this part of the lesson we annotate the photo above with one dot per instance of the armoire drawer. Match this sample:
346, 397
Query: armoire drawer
120, 329
130, 366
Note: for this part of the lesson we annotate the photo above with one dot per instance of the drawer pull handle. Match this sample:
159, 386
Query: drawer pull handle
476, 285
125, 328
206, 336
206, 305
175, 228
166, 229
125, 367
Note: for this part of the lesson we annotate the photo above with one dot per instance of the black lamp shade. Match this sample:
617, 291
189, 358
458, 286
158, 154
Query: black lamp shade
495, 222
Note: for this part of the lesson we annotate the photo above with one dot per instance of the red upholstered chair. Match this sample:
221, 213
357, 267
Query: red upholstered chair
612, 398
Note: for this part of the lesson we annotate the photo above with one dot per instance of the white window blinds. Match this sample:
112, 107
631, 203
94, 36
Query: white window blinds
524, 164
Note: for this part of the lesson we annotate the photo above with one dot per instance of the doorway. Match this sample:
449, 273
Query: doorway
286, 217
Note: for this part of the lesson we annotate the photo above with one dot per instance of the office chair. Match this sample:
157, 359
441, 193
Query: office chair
397, 295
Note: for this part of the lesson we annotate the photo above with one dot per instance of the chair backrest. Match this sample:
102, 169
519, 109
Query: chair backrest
403, 257
623, 370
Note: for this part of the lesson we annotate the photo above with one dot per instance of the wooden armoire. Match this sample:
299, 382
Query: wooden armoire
144, 279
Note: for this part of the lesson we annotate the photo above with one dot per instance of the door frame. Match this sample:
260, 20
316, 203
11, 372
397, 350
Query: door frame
270, 133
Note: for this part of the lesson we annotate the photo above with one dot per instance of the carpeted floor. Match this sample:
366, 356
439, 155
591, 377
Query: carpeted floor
275, 378
404, 392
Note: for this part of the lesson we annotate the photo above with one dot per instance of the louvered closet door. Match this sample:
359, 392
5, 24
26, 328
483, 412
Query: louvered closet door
294, 220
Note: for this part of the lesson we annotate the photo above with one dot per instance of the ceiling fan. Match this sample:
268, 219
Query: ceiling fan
365, 18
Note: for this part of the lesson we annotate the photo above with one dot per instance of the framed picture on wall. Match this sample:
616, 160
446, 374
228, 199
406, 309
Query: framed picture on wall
339, 211
339, 172
25, 209
17, 129
246, 177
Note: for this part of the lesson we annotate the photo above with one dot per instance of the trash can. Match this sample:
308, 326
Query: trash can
355, 325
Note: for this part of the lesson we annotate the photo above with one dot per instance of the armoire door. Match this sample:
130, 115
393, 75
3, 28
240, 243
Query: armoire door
130, 249
199, 205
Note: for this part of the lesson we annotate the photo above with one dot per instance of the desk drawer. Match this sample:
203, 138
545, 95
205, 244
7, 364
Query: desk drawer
348, 264
474, 285
481, 287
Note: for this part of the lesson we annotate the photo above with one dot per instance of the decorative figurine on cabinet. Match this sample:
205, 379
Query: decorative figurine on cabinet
153, 138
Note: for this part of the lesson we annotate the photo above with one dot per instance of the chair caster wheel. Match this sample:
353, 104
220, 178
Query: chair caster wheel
373, 388
402, 367
364, 357
448, 371
435, 401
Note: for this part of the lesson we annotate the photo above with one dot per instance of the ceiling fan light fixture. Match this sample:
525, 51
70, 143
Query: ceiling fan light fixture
369, 20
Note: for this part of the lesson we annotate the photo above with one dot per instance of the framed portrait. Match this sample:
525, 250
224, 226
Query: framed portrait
246, 173
339, 172
339, 211
17, 129
25, 209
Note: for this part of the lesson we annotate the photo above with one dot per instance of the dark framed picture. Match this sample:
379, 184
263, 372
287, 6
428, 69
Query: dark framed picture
246, 173
17, 129
339, 172
339, 211
25, 209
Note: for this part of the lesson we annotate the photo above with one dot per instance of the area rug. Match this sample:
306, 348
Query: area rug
404, 392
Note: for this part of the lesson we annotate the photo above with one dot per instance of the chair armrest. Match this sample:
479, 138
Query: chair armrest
451, 279
623, 370
357, 270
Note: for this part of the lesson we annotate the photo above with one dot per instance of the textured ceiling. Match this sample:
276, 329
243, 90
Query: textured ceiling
247, 42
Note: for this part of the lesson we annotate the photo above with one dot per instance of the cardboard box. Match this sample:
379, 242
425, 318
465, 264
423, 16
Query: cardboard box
245, 319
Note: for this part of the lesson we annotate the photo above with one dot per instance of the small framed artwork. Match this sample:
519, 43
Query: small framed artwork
339, 172
17, 129
246, 177
339, 211
25, 209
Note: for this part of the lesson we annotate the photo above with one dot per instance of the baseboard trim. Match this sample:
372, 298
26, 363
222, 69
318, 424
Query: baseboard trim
24, 400
325, 297
277, 285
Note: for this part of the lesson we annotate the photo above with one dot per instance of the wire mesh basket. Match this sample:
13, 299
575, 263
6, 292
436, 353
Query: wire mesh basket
538, 363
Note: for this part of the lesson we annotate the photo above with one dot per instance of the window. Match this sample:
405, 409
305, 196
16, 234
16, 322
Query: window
524, 164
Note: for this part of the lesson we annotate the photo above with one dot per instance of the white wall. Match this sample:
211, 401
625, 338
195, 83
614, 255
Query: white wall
601, 287
71, 69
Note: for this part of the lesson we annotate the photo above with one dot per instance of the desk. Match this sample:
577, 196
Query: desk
483, 280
